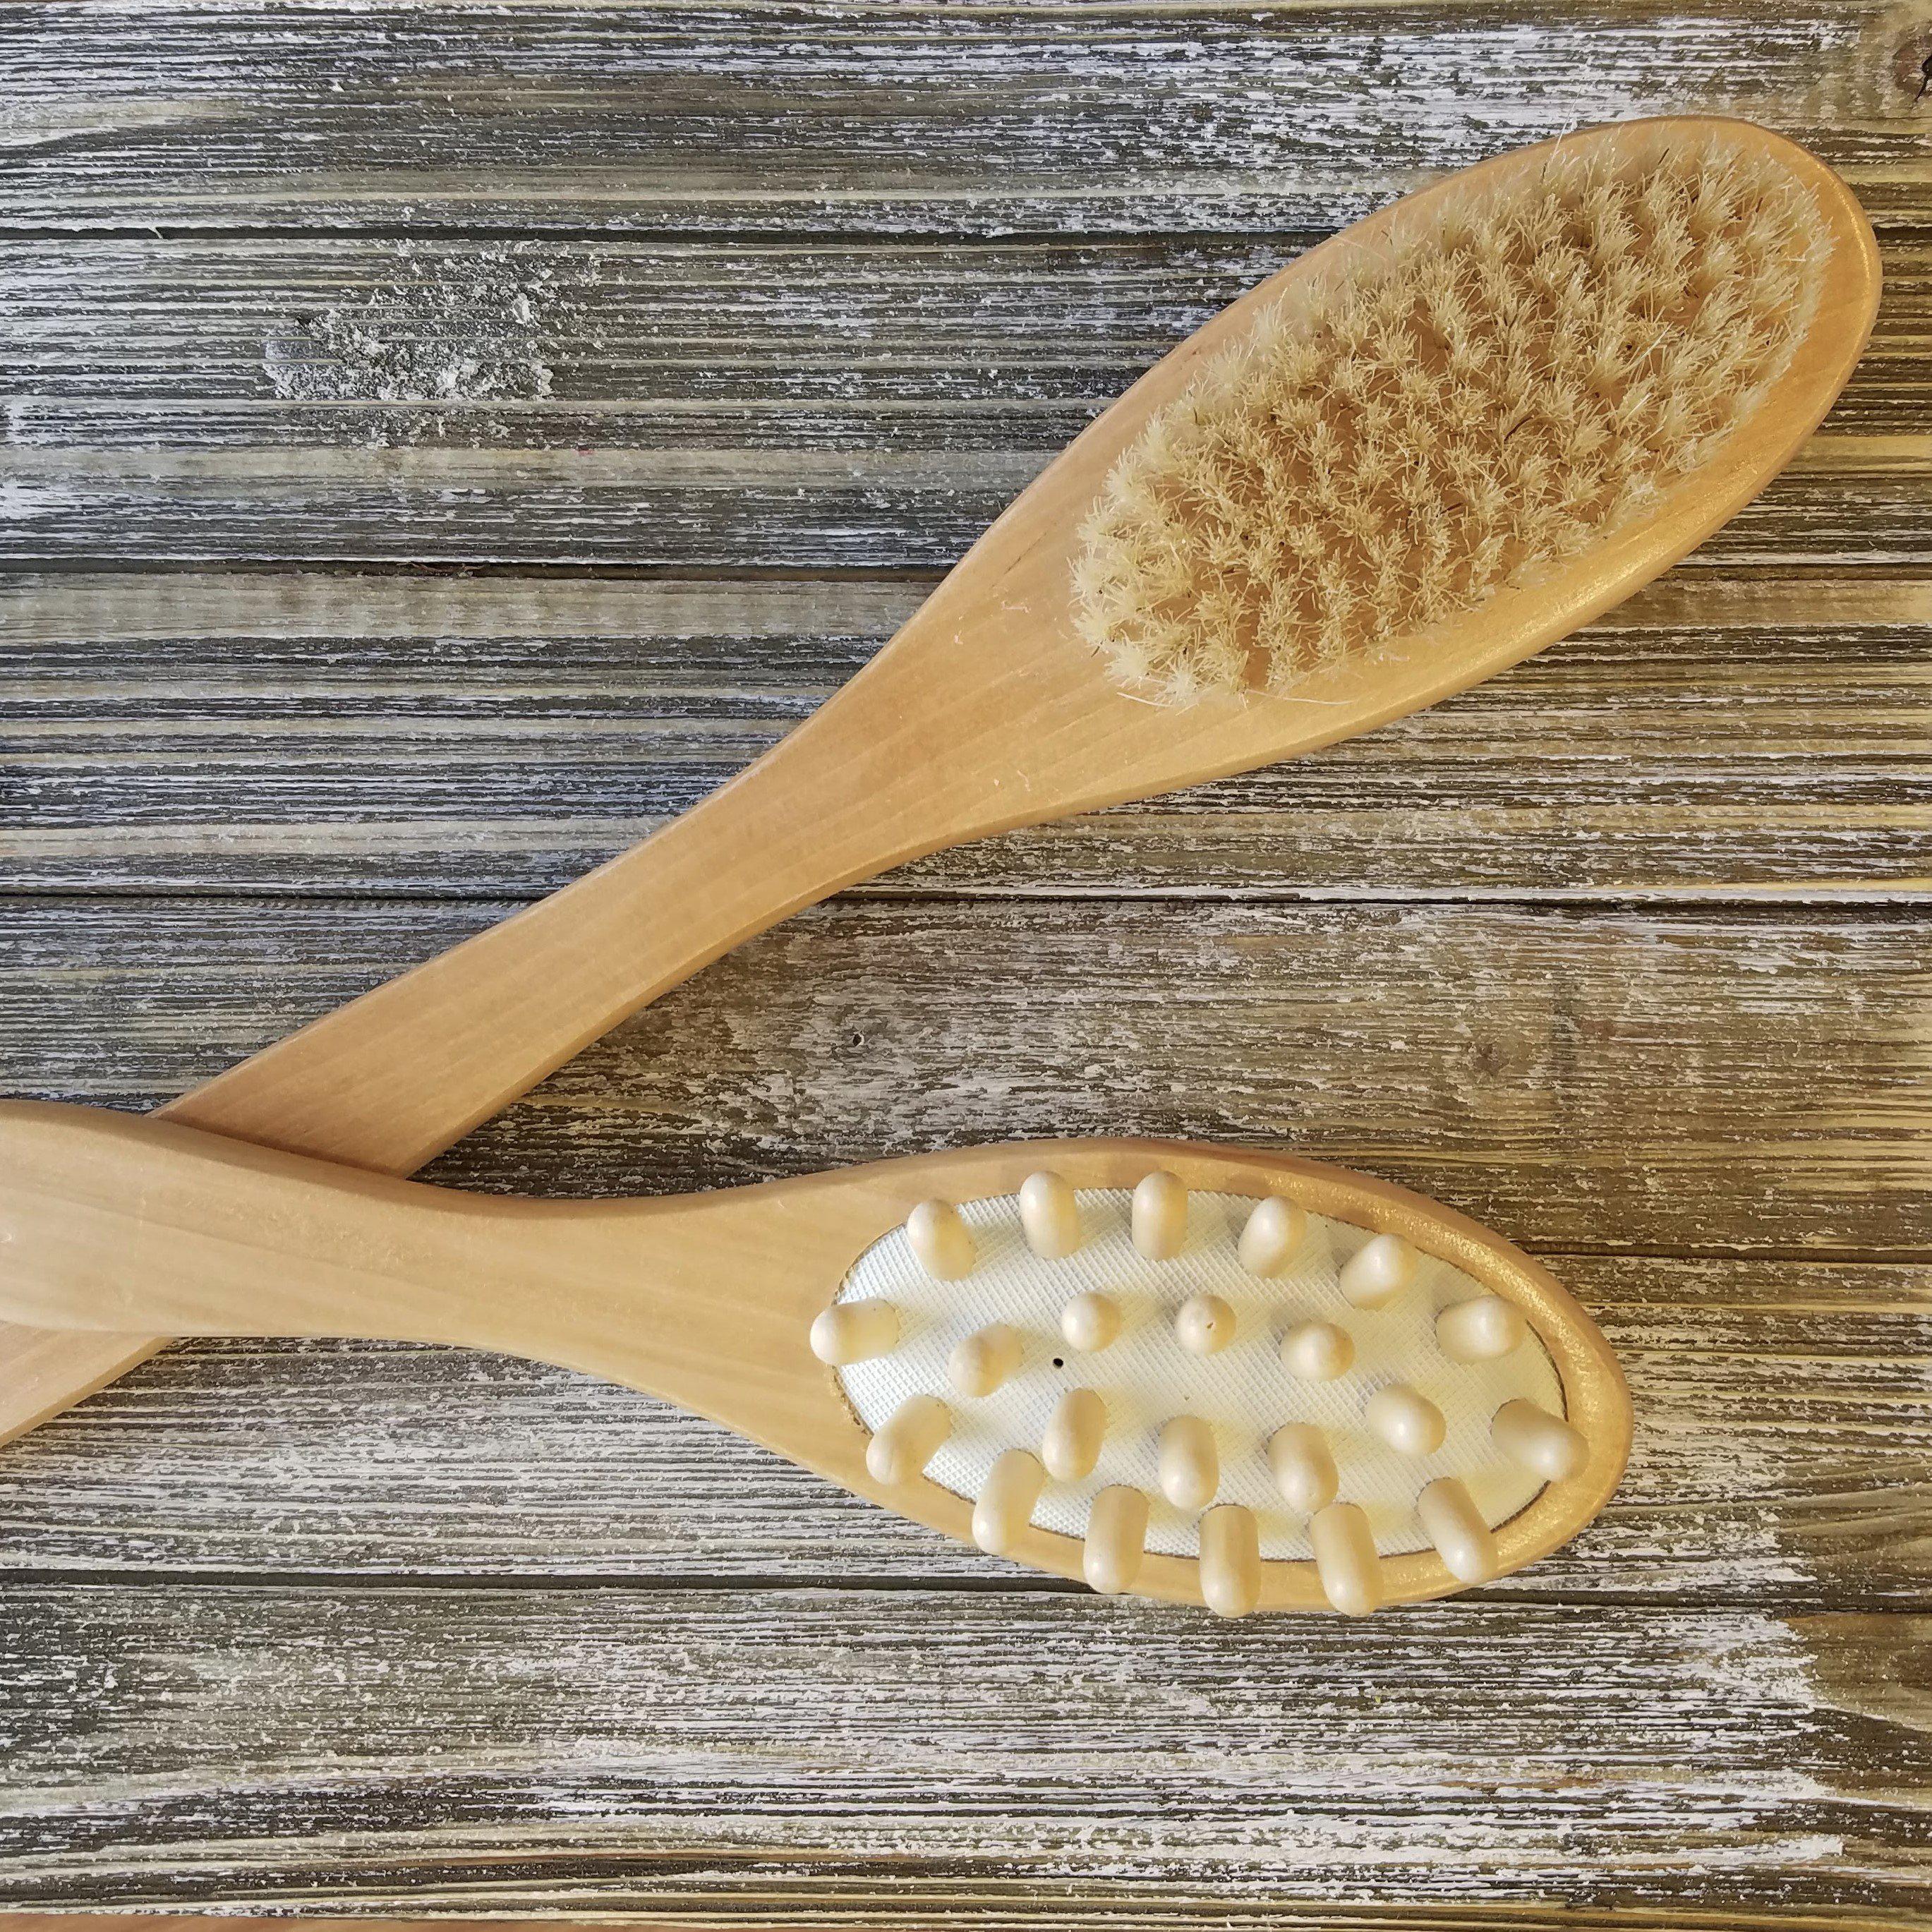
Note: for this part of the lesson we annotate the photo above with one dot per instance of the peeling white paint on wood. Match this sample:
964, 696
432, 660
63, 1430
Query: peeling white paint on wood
1784, 1430
778, 302
954, 121
1723, 734
1599, 1752
1708, 1081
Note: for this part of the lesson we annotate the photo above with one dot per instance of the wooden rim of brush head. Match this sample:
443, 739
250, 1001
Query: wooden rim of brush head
1596, 1399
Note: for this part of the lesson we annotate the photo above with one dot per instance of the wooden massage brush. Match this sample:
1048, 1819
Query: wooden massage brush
1415, 456
1203, 1374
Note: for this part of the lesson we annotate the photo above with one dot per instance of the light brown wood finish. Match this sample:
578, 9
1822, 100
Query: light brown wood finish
110, 1222
983, 715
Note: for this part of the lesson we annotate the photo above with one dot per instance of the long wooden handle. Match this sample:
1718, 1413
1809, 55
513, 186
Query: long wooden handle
109, 1221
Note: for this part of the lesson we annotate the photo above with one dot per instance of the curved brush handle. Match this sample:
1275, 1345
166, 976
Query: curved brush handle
111, 1222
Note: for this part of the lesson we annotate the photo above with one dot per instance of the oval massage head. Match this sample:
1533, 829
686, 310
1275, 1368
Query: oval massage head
1139, 1375
1226, 1378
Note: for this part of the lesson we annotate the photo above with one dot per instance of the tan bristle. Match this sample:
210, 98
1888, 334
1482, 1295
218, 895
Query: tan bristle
1516, 378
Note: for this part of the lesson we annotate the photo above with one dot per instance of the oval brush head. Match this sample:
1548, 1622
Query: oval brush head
1203, 1376
1516, 369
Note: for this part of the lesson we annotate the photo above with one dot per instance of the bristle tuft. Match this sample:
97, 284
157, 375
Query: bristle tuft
1382, 455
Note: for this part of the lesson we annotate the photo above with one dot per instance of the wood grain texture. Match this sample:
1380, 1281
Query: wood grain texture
1673, 1082
831, 117
624, 344
1021, 1758
499, 735
1785, 1431
442, 441
1432, 1917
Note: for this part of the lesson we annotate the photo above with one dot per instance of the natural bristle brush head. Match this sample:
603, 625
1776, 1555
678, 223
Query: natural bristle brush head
1485, 384
1215, 1377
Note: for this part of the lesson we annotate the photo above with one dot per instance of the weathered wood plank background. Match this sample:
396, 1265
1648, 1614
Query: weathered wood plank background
442, 441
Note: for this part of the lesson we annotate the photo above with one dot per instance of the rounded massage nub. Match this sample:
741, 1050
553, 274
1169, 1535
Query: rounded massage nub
985, 1359
1160, 1216
1116, 1542
1091, 1322
1006, 1503
1409, 1422
1303, 1466
1189, 1463
907, 1444
1318, 1351
1541, 1442
1272, 1236
1203, 1324
1074, 1431
1231, 1560
1050, 1215
855, 1331
1479, 1329
941, 1240
1378, 1271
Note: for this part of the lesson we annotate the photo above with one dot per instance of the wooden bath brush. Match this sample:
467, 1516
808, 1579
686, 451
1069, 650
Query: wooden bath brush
1202, 1374
1417, 454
